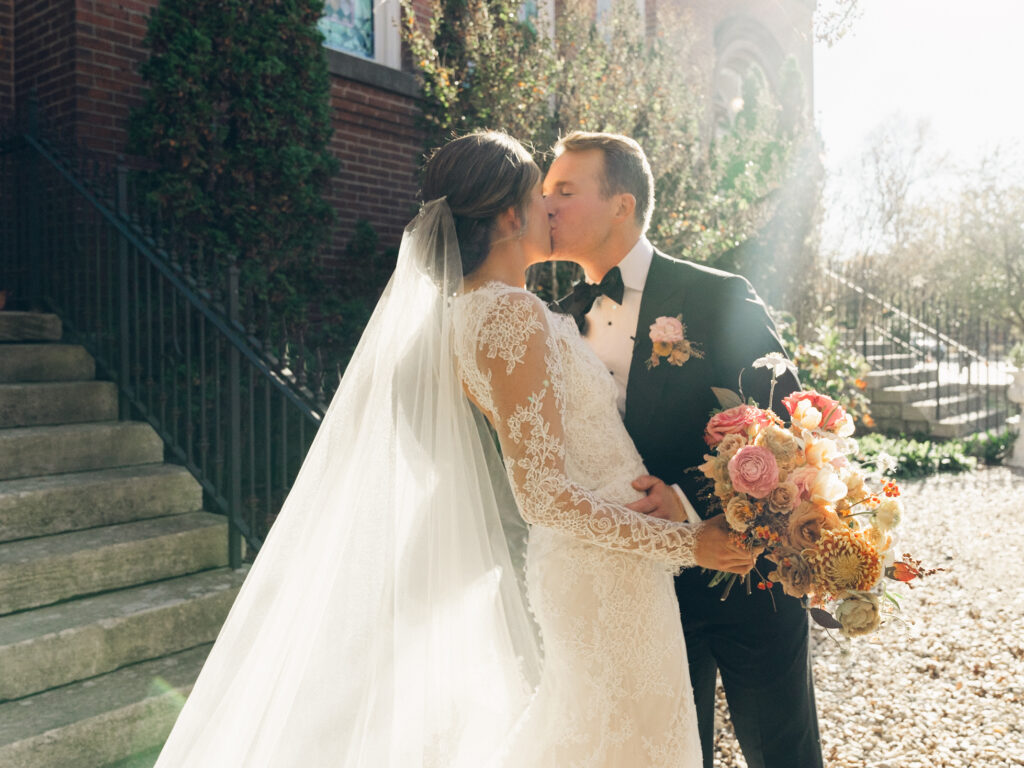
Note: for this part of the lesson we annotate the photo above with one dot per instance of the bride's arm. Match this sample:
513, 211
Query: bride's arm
517, 354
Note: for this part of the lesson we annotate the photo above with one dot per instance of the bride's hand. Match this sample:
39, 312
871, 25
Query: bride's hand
716, 549
661, 500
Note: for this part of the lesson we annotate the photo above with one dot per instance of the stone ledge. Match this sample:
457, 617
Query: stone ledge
371, 73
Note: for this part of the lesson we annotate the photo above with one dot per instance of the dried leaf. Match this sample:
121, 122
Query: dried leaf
726, 397
825, 619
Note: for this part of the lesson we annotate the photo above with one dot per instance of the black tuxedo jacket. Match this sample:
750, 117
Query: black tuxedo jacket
667, 407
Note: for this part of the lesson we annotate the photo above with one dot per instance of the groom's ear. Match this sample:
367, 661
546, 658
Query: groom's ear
625, 206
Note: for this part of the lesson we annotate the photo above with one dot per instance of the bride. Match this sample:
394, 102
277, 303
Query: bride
400, 612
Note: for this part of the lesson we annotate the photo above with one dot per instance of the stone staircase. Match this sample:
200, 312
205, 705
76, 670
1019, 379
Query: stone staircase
113, 580
904, 385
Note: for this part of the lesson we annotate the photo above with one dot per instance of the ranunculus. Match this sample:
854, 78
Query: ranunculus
888, 514
827, 488
739, 513
859, 614
805, 415
803, 478
781, 442
833, 415
667, 330
854, 481
805, 523
784, 497
792, 571
753, 471
733, 421
821, 451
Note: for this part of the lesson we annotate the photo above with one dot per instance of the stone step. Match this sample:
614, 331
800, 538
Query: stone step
29, 326
891, 361
914, 375
45, 362
30, 451
963, 424
949, 405
909, 393
60, 402
42, 571
41, 506
53, 646
97, 722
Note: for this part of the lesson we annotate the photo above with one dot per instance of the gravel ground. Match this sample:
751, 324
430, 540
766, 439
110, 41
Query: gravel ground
945, 689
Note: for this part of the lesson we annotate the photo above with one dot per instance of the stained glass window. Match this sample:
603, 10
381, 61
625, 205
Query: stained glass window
348, 26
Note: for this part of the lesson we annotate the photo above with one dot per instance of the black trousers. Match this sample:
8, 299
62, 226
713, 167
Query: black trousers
761, 652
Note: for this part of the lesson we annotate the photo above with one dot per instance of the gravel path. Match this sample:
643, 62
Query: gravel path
946, 688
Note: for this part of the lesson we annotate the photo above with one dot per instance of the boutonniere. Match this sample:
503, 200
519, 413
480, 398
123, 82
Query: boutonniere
668, 334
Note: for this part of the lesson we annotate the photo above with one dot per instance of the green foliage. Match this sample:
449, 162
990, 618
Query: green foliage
828, 366
916, 457
236, 118
1015, 356
991, 447
715, 179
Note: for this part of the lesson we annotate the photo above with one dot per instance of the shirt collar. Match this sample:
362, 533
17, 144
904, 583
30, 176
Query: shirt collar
636, 264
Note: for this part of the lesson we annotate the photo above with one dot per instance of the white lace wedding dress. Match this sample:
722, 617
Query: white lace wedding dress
615, 689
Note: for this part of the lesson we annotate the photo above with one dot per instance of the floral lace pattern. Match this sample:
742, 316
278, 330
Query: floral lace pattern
615, 688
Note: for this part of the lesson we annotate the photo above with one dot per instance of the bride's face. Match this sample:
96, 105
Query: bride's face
537, 237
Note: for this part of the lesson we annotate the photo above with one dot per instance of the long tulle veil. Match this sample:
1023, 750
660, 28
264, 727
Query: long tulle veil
383, 623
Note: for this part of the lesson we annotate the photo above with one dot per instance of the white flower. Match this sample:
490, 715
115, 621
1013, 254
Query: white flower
886, 463
778, 363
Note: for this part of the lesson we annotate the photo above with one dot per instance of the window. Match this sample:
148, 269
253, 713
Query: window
363, 28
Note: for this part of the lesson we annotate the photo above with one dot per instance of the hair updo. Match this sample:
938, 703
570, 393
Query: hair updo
481, 174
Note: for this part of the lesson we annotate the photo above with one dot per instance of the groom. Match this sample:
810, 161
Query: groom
600, 193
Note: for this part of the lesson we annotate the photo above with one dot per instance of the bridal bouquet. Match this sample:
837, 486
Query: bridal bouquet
791, 488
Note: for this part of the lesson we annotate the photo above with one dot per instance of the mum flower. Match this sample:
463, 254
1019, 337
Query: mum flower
844, 562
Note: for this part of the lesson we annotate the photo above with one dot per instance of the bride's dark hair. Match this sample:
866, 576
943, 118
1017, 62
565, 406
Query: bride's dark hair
481, 175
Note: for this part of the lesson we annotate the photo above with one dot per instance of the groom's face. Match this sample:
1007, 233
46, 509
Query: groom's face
581, 216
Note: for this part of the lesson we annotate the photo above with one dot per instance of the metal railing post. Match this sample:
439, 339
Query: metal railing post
235, 431
33, 184
122, 295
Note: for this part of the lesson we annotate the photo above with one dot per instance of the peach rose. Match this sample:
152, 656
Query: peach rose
833, 415
783, 498
805, 524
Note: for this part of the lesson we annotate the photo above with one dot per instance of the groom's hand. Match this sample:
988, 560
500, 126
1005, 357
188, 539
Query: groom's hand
716, 550
661, 500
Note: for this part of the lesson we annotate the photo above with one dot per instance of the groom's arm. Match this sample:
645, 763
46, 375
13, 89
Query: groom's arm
750, 333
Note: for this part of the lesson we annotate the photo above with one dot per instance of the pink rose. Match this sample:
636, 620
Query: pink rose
832, 413
754, 471
667, 330
733, 421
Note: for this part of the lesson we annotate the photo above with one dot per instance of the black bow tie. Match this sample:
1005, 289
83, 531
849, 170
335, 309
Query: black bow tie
579, 302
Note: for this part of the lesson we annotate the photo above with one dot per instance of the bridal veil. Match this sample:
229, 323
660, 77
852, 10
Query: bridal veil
384, 622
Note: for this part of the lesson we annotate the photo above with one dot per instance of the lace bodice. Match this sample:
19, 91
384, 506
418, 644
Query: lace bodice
568, 456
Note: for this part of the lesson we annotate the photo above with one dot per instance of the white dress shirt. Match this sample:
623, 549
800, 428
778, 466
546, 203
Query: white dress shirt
611, 330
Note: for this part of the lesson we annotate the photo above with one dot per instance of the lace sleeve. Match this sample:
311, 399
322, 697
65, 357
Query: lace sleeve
518, 359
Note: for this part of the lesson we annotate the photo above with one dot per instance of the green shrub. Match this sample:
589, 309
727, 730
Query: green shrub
916, 457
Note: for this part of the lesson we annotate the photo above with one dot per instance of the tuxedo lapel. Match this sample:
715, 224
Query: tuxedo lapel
645, 387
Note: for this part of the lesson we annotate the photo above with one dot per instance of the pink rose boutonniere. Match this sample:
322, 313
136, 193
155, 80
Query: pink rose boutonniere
668, 335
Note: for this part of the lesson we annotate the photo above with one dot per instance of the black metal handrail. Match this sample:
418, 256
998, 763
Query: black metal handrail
164, 326
958, 358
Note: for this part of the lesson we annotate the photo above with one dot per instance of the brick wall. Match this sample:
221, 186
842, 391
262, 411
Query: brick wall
44, 57
6, 60
380, 148
108, 51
